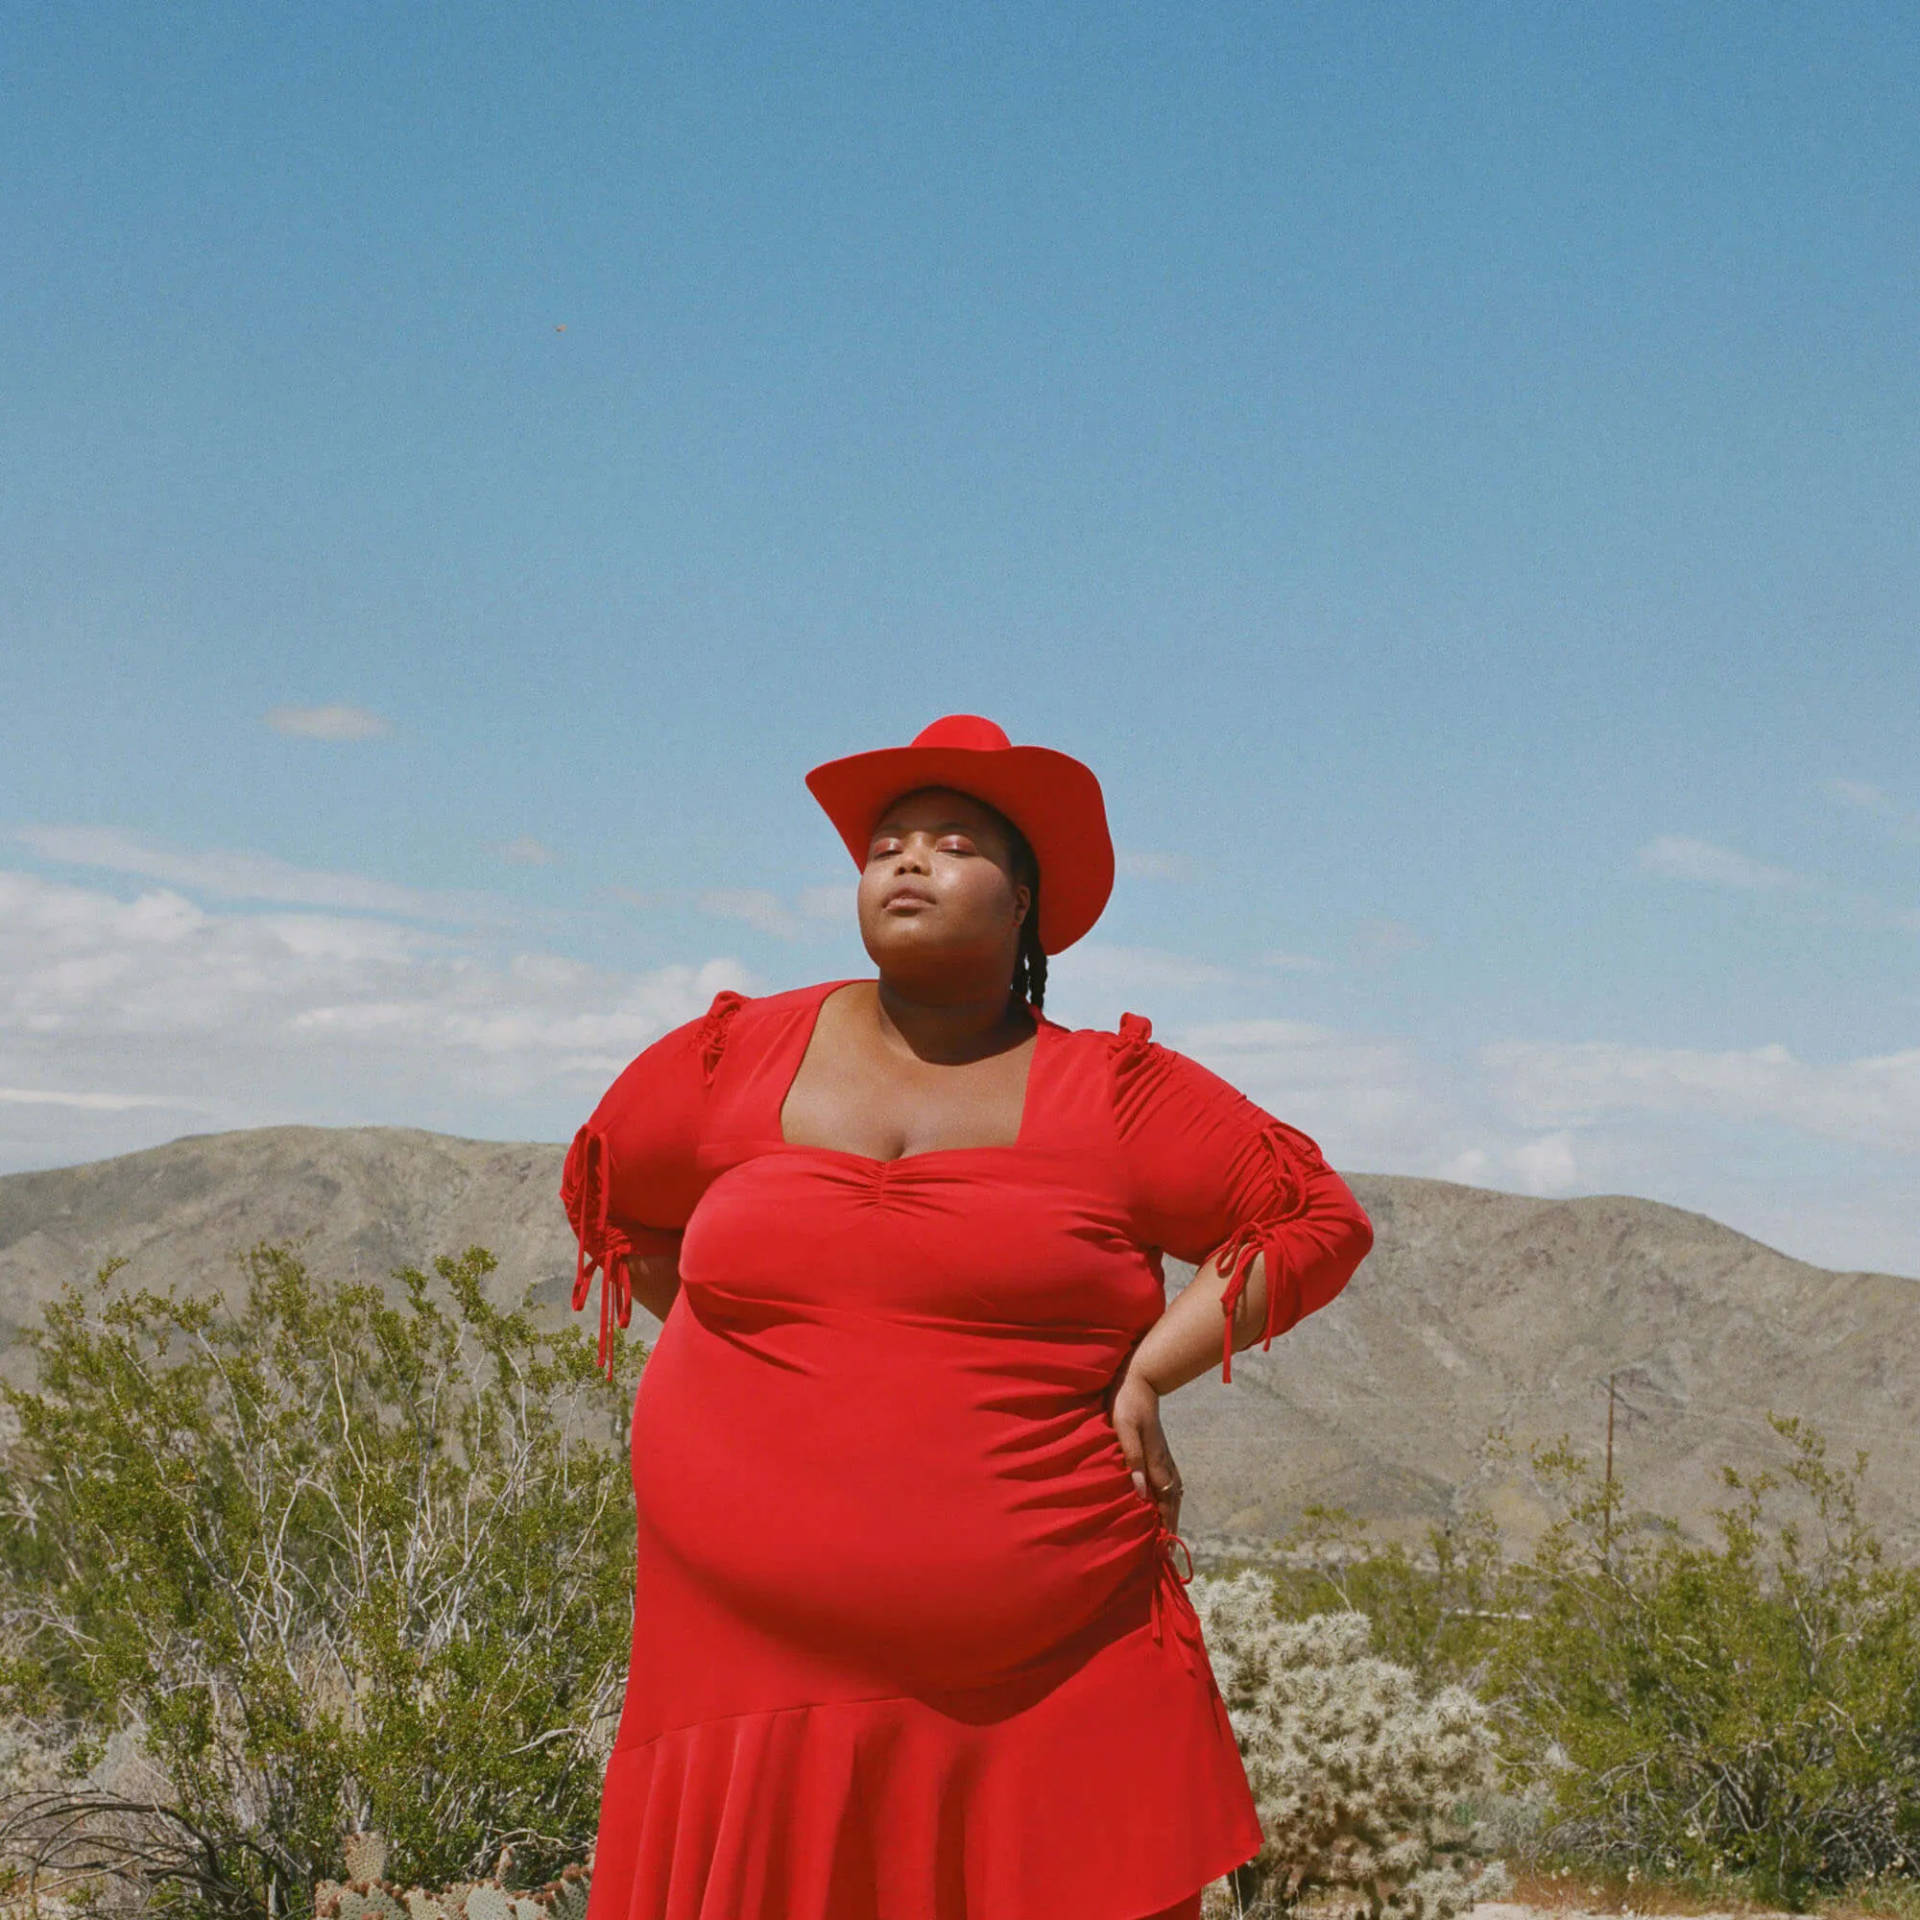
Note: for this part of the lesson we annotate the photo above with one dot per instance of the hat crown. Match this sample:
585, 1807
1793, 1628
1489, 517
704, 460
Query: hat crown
963, 730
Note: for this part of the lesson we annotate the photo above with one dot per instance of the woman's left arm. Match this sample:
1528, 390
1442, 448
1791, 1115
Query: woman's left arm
1183, 1344
1275, 1231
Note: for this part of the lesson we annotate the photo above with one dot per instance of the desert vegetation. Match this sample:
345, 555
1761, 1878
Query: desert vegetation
338, 1580
326, 1563
1739, 1718
1366, 1782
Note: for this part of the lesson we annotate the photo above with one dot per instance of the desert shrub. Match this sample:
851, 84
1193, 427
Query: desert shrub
1747, 1709
1364, 1781
317, 1563
1439, 1612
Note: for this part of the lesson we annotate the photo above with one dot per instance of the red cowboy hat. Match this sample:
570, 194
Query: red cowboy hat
1049, 796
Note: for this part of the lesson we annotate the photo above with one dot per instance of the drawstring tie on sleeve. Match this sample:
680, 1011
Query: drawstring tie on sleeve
1258, 1236
1173, 1611
586, 1193
583, 1192
1282, 1180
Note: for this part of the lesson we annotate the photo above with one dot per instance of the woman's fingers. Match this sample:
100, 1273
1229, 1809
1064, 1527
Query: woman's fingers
1162, 1475
1126, 1429
1143, 1442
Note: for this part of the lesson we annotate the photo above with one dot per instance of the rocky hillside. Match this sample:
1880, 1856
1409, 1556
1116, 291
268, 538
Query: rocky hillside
1477, 1310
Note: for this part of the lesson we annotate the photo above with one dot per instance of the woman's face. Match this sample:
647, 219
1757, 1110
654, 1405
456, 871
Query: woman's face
939, 903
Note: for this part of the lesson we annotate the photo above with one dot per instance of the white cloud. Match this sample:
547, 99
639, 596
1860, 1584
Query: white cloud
1100, 968
327, 723
237, 876
90, 1102
752, 907
1471, 1166
828, 904
1862, 794
1133, 863
1676, 857
1725, 1134
1872, 1102
125, 1021
1368, 1102
1284, 962
1545, 1165
800, 918
1384, 939
252, 1017
1871, 799
523, 850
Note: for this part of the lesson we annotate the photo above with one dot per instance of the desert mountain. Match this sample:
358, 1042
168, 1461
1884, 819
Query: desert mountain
1476, 1311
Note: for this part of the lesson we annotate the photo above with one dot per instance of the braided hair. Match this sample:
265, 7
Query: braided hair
1030, 958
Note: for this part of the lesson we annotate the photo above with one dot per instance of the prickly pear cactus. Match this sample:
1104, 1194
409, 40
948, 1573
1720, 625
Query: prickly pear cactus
359, 1900
369, 1897
366, 1856
567, 1896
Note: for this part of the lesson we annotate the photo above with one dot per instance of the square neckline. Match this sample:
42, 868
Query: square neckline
810, 1026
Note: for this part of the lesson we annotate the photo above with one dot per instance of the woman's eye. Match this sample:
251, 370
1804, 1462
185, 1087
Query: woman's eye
881, 848
954, 844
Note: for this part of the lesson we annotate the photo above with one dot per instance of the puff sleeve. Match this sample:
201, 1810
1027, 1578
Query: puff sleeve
1212, 1174
631, 1180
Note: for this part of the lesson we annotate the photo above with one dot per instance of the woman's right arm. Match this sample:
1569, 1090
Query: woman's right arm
656, 1280
632, 1177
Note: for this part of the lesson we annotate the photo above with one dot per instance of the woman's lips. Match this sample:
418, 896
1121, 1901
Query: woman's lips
907, 897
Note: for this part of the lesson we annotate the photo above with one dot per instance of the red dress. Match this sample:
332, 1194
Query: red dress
907, 1643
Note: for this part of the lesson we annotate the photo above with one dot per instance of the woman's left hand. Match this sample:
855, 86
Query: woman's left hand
1133, 1405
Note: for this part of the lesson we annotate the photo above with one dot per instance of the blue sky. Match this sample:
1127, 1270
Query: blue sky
1451, 470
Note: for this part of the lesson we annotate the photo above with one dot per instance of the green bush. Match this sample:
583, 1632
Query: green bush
315, 1564
1439, 1614
1749, 1708
1743, 1712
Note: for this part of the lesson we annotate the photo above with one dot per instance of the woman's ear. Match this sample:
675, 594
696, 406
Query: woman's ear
1022, 902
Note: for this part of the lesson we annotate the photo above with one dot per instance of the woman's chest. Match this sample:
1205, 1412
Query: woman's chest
853, 1092
845, 1106
1012, 1235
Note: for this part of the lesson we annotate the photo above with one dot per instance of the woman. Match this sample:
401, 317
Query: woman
910, 1642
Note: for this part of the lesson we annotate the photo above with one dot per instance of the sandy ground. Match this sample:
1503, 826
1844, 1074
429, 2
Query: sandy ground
1515, 1910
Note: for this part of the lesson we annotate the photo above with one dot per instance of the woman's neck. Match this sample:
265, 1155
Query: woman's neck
950, 1032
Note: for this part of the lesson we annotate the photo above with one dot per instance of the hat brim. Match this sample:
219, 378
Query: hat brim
1050, 796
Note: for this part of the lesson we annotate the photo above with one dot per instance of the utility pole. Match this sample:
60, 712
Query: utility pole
1606, 1525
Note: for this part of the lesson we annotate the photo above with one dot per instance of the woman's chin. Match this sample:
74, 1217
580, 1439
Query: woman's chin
912, 946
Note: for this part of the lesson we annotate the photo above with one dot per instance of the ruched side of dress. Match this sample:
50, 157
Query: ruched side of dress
907, 1643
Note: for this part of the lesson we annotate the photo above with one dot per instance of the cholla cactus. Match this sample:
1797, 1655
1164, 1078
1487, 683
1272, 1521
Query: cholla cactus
1359, 1779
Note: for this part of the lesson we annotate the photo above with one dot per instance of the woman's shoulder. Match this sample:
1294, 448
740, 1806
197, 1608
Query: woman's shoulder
1128, 1046
751, 1010
1145, 1081
739, 1023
